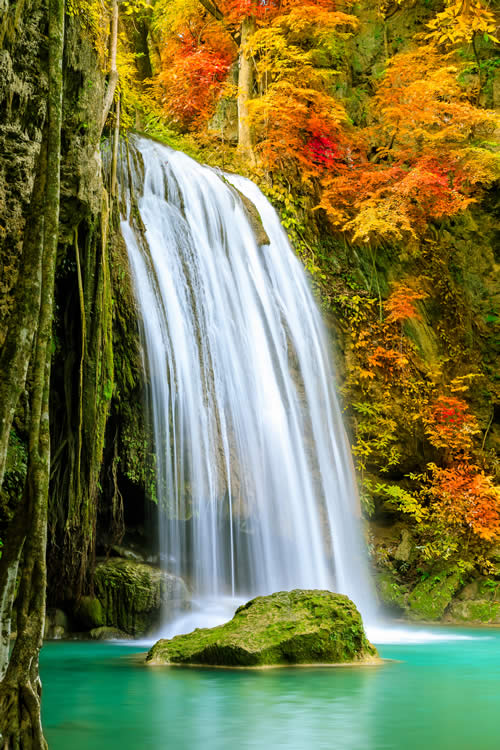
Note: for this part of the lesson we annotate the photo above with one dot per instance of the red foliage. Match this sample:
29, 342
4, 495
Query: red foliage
322, 150
236, 10
450, 425
194, 70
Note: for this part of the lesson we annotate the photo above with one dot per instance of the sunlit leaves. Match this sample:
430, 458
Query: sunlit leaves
460, 21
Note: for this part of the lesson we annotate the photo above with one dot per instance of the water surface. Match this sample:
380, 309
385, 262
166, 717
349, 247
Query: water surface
437, 695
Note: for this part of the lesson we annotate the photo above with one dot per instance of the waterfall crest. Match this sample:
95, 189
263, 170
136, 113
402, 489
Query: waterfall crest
254, 470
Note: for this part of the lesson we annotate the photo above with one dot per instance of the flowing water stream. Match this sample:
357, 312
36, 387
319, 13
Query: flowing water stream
254, 470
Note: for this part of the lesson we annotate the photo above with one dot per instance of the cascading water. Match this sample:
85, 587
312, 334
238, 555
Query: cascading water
254, 471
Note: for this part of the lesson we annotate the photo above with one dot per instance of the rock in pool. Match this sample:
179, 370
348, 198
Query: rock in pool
286, 628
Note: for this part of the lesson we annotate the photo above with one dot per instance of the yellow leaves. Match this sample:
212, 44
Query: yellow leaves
461, 21
480, 165
421, 99
366, 374
284, 116
383, 218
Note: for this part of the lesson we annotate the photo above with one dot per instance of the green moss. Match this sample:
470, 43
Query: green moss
89, 613
475, 611
289, 627
391, 593
14, 478
430, 598
133, 594
108, 634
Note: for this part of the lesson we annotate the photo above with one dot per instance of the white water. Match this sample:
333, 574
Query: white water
253, 466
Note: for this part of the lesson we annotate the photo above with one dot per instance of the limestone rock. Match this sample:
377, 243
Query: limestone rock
289, 627
133, 594
89, 613
391, 593
56, 624
474, 611
108, 634
406, 546
254, 219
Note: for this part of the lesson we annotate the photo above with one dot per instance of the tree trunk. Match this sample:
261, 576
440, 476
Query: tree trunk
246, 79
16, 351
20, 690
113, 72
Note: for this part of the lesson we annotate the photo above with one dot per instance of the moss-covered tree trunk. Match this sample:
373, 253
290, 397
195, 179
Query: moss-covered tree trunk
14, 365
16, 351
20, 690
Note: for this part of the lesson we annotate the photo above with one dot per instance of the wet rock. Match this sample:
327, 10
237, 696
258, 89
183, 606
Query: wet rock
133, 594
89, 613
254, 219
126, 553
405, 549
474, 611
391, 593
56, 624
108, 634
289, 627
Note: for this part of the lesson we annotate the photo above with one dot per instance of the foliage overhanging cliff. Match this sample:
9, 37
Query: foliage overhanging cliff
373, 127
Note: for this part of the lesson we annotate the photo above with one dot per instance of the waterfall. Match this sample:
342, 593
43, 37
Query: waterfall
254, 471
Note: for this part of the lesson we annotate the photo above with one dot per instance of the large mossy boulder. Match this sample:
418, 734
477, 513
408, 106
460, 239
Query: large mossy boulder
131, 596
289, 627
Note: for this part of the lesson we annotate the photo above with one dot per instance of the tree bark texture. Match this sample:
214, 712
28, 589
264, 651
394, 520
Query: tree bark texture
20, 690
246, 79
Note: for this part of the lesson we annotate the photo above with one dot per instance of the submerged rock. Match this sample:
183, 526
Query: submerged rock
289, 627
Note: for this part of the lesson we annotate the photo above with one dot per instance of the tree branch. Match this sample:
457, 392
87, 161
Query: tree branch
216, 13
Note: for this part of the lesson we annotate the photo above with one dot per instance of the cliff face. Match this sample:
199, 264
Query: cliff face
93, 301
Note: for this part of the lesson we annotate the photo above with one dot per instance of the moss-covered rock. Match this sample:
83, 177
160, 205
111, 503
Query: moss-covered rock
108, 634
474, 611
89, 613
134, 594
391, 593
289, 627
430, 598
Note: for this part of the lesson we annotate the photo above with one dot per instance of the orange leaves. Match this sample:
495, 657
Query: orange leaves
460, 21
422, 103
287, 118
195, 61
387, 359
401, 303
298, 124
432, 153
463, 496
